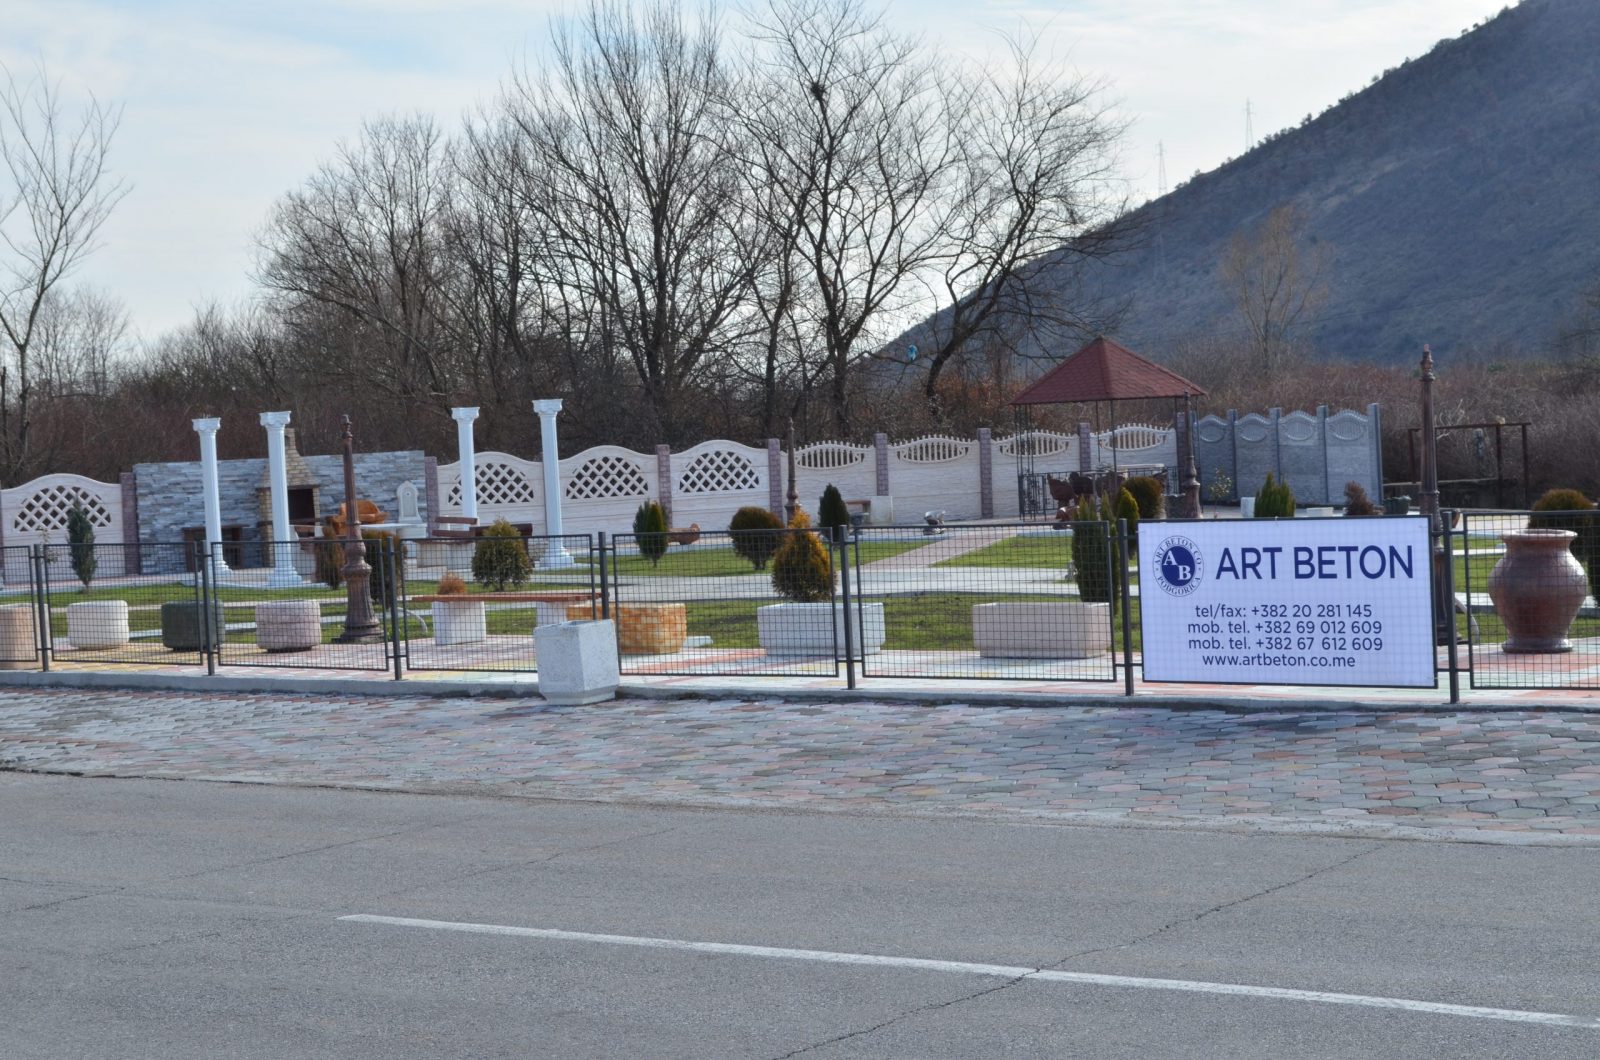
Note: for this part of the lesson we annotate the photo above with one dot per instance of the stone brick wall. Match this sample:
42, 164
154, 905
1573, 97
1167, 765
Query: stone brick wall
169, 499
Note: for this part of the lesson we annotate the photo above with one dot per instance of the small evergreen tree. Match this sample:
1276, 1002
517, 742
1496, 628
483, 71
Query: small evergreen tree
1275, 500
80, 541
801, 568
832, 511
755, 535
650, 531
1128, 508
500, 559
1092, 554
1147, 491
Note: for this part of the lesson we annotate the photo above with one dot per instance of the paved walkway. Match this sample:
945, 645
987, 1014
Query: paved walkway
1522, 776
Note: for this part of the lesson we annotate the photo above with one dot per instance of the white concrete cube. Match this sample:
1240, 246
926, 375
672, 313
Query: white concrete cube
577, 661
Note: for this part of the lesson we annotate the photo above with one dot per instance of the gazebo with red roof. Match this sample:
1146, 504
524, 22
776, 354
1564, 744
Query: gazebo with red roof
1106, 371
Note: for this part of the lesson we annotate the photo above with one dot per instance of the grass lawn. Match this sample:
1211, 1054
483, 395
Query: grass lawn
1051, 553
724, 562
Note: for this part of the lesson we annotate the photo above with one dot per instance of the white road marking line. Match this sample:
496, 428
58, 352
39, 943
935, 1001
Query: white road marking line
1434, 1008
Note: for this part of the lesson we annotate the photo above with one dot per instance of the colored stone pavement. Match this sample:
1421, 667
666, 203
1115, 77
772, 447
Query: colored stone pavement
1505, 776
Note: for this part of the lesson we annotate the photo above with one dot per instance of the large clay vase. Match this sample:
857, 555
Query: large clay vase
1537, 588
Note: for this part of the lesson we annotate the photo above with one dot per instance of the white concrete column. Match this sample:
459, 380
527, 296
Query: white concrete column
212, 491
469, 461
555, 554
283, 574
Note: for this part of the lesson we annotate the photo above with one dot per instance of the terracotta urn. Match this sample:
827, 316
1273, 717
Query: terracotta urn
1537, 588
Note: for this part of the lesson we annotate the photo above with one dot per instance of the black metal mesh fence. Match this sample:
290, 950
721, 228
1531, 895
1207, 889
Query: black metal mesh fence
19, 610
296, 613
759, 602
997, 602
1529, 582
473, 604
147, 612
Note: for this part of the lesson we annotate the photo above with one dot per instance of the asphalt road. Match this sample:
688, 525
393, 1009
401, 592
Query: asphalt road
184, 919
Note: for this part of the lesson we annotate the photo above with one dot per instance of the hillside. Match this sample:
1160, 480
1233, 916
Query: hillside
1458, 199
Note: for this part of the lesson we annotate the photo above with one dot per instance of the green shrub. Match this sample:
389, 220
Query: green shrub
330, 557
801, 568
80, 541
1128, 508
1564, 509
1275, 500
500, 559
754, 532
1152, 499
1356, 501
650, 531
1094, 553
380, 558
832, 511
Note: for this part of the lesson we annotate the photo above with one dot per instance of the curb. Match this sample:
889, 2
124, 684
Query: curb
527, 689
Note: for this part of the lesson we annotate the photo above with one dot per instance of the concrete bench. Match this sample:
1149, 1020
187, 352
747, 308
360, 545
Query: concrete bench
1049, 630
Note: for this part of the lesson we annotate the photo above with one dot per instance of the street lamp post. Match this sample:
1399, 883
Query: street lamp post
360, 625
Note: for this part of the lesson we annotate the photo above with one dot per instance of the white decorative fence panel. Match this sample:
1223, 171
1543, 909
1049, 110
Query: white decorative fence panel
509, 488
35, 513
1135, 444
603, 487
714, 479
852, 468
936, 473
1052, 453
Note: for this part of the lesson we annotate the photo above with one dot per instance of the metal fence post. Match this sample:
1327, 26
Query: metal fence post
208, 606
1447, 521
396, 585
41, 591
841, 541
605, 584
1127, 618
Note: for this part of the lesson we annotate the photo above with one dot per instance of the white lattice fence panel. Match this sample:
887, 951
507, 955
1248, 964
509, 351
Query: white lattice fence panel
35, 513
714, 479
603, 486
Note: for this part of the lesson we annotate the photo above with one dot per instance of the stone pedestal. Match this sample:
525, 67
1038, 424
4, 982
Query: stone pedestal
463, 621
1043, 630
181, 629
577, 662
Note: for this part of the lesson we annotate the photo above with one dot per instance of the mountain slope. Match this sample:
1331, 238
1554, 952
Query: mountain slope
1458, 200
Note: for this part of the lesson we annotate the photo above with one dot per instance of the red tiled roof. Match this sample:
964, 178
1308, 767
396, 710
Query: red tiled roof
1105, 371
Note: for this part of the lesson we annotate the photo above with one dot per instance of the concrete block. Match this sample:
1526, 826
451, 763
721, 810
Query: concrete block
97, 624
1049, 630
577, 661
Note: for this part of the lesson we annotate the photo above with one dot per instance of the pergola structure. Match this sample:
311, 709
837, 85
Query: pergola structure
1105, 371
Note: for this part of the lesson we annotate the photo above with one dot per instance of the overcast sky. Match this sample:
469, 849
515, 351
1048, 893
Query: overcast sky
230, 103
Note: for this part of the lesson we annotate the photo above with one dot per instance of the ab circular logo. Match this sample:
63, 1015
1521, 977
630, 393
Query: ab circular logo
1179, 566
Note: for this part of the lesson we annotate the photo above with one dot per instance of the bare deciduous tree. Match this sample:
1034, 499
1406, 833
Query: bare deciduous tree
55, 194
1276, 281
1036, 183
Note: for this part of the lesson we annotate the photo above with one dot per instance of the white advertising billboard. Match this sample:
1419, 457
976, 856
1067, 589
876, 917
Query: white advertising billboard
1343, 601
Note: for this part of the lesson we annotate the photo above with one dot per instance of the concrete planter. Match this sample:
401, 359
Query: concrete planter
577, 661
459, 621
818, 629
97, 624
181, 629
288, 625
1049, 630
643, 629
18, 650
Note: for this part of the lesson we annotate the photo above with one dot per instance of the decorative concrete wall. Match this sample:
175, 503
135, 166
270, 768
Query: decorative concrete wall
35, 513
1317, 454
